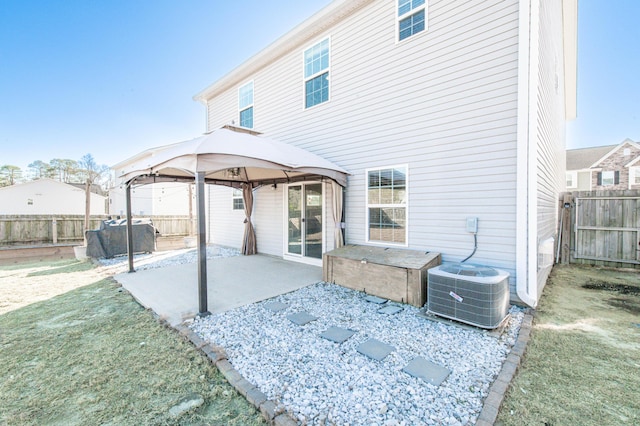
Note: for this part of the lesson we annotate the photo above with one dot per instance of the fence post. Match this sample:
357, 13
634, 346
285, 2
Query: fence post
566, 228
54, 229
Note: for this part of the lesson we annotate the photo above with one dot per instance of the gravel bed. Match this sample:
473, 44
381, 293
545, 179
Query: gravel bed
165, 258
320, 382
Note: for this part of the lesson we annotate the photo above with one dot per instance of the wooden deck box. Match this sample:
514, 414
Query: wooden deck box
394, 274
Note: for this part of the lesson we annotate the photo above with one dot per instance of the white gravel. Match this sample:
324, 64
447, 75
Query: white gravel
320, 382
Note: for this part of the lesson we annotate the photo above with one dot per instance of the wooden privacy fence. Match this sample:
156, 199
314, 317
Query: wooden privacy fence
57, 229
601, 228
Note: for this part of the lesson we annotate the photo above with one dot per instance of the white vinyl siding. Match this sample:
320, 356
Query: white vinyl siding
444, 104
551, 151
226, 225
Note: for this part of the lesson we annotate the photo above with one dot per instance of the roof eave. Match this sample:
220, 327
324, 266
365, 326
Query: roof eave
303, 33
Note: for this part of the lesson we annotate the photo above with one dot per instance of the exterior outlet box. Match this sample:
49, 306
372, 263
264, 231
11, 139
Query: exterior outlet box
472, 225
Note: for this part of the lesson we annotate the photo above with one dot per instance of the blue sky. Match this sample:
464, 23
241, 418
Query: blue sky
114, 77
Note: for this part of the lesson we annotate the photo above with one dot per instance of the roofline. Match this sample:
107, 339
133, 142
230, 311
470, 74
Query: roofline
633, 162
614, 149
570, 39
301, 34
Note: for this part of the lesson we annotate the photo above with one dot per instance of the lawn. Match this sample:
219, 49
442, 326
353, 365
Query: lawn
583, 360
87, 353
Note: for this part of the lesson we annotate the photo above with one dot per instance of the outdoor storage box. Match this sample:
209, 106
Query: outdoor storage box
394, 274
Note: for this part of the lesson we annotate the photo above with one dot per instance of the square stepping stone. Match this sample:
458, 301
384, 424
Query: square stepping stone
301, 318
375, 349
337, 334
390, 310
426, 370
375, 299
276, 306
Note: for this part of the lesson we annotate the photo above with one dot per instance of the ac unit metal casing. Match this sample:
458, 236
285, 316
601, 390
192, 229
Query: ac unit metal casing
476, 295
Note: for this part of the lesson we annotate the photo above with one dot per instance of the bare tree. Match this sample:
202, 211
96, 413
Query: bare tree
91, 173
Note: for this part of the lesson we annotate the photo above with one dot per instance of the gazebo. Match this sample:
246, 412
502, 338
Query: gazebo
233, 157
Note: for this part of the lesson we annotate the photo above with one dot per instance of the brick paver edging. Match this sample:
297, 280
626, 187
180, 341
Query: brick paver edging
492, 403
218, 356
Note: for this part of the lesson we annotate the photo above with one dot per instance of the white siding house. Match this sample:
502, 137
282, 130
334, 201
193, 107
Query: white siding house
440, 110
47, 196
157, 199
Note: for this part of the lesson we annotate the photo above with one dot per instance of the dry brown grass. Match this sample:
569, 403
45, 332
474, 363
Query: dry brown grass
582, 363
91, 355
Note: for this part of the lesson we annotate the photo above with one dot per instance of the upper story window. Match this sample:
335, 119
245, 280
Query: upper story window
316, 74
245, 105
387, 205
412, 17
572, 179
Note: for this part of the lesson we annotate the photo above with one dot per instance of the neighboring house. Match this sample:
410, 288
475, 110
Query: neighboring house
440, 110
158, 199
47, 197
611, 167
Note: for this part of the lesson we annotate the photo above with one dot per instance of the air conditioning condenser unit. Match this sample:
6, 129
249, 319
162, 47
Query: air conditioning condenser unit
473, 294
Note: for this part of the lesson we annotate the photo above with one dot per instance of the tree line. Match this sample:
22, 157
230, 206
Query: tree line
61, 169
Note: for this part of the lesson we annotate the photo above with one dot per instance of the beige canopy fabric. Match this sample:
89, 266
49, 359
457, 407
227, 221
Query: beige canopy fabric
249, 244
231, 157
227, 156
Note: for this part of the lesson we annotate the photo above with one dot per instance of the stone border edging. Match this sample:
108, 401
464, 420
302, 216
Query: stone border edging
498, 389
252, 393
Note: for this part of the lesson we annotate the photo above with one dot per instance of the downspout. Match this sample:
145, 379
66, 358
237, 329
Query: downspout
526, 222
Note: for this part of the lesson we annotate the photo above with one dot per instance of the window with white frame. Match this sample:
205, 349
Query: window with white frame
245, 105
634, 175
608, 178
387, 205
411, 18
238, 201
316, 74
572, 179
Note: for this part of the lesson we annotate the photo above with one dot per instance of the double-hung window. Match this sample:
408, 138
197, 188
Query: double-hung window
238, 201
387, 205
412, 17
634, 175
316, 74
245, 105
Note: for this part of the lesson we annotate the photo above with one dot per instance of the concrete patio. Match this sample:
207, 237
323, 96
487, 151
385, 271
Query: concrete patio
172, 291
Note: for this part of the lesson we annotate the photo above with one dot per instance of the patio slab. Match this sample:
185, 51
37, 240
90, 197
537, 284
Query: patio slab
172, 291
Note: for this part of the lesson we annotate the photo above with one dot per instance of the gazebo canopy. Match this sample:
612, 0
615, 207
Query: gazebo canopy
229, 157
233, 157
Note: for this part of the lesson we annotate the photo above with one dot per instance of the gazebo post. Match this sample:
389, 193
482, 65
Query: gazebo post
129, 227
202, 246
